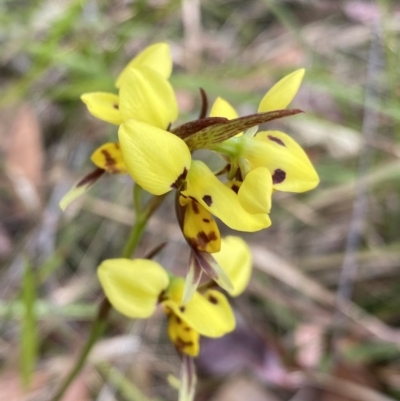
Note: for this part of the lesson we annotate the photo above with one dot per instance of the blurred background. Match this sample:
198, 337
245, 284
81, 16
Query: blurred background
321, 318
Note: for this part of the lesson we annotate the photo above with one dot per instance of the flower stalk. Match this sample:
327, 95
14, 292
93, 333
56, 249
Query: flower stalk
100, 321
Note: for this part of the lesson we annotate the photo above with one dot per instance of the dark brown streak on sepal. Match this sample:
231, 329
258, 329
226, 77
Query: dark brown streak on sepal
155, 251
213, 134
91, 178
203, 259
186, 130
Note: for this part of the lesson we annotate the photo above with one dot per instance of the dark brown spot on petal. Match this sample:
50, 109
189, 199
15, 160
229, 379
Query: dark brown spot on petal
181, 344
278, 176
235, 188
182, 309
195, 207
110, 162
180, 179
187, 329
277, 140
116, 106
91, 178
206, 220
202, 239
212, 299
207, 199
162, 297
178, 319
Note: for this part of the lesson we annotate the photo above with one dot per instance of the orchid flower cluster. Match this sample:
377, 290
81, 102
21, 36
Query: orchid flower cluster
159, 158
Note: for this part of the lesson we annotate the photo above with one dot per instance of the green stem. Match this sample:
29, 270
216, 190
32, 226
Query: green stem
97, 329
99, 324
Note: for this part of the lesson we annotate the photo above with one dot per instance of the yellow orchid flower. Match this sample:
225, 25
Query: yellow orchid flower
136, 287
145, 95
106, 106
160, 161
273, 155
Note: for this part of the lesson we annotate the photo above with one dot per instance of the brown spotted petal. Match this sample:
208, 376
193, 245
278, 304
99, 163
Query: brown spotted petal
185, 339
208, 137
221, 201
199, 228
109, 158
290, 167
209, 314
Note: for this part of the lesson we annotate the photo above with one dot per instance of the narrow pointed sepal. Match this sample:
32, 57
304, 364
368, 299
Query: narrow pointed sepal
156, 57
236, 260
214, 196
187, 389
192, 279
133, 287
211, 267
80, 187
109, 158
282, 93
156, 159
104, 106
211, 135
148, 97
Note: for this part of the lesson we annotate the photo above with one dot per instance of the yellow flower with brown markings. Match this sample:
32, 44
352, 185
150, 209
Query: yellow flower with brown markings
145, 95
271, 160
136, 287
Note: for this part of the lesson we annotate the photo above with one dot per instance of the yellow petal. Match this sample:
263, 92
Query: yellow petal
221, 201
80, 187
289, 165
256, 191
133, 287
156, 56
148, 97
209, 314
282, 93
235, 258
156, 159
104, 106
200, 229
185, 339
109, 158
221, 108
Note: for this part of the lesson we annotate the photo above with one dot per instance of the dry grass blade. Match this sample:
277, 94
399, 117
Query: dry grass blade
277, 267
370, 127
346, 388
